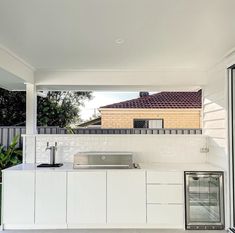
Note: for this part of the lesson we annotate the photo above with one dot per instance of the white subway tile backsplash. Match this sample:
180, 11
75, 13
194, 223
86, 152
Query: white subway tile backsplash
29, 149
146, 148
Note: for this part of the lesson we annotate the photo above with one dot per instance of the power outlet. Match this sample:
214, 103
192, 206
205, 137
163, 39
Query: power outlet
204, 150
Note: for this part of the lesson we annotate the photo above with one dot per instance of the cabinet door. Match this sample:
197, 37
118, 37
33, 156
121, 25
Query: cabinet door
165, 216
50, 205
18, 197
86, 197
126, 197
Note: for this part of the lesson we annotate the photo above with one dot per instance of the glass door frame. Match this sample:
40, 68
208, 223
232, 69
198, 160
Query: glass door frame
204, 225
231, 142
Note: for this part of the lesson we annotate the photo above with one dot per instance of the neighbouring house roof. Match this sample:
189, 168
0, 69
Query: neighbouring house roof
94, 122
166, 99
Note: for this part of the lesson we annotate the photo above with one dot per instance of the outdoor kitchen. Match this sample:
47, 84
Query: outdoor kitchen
117, 116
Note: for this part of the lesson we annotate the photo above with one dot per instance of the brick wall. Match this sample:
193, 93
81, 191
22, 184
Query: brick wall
123, 118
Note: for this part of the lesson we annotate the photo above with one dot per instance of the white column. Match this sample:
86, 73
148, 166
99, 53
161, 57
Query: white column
31, 109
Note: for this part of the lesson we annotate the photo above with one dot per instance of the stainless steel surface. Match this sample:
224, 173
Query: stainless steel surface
104, 160
53, 150
204, 200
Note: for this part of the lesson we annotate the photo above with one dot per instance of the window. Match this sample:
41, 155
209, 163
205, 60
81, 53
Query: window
148, 123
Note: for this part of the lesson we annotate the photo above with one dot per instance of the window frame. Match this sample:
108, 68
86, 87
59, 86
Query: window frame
148, 119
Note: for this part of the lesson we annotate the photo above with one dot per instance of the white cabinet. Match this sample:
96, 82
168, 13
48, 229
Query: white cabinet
161, 177
165, 199
55, 199
165, 194
165, 216
126, 197
18, 197
50, 202
86, 197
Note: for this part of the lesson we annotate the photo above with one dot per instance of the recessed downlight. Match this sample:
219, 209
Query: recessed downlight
119, 41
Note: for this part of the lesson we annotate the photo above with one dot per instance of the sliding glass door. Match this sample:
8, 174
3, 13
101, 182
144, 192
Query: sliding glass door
231, 112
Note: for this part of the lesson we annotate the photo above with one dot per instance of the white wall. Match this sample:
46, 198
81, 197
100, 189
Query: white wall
215, 116
215, 112
215, 121
146, 148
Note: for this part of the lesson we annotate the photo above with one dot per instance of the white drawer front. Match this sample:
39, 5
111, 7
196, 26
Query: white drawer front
165, 177
165, 194
166, 216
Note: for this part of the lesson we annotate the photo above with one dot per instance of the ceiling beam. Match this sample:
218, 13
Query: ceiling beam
16, 66
120, 78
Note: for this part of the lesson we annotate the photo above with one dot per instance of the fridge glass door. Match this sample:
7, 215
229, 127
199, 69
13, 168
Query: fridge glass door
204, 201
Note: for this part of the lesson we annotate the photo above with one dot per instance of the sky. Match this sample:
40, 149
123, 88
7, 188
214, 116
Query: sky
102, 99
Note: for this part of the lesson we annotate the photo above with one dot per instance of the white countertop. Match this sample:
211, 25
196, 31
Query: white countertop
151, 166
180, 167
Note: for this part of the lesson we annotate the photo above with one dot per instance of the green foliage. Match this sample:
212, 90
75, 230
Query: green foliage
57, 108
69, 130
61, 108
12, 107
10, 156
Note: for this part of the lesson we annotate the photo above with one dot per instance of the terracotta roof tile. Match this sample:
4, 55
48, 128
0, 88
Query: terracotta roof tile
166, 99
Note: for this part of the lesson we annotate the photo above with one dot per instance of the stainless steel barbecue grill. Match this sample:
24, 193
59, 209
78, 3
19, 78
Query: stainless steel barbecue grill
104, 160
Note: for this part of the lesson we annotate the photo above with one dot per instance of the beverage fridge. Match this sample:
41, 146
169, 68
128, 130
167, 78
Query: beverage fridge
204, 200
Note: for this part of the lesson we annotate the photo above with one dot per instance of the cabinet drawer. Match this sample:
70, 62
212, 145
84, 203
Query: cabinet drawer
165, 194
165, 177
166, 216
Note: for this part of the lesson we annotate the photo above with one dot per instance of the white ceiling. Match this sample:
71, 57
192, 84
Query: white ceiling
11, 82
81, 34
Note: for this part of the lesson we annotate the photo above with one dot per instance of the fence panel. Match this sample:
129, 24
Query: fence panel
8, 132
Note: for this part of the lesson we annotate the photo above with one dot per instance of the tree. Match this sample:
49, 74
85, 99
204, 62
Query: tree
61, 108
57, 108
12, 107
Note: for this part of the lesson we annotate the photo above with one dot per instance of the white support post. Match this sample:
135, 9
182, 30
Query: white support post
31, 109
